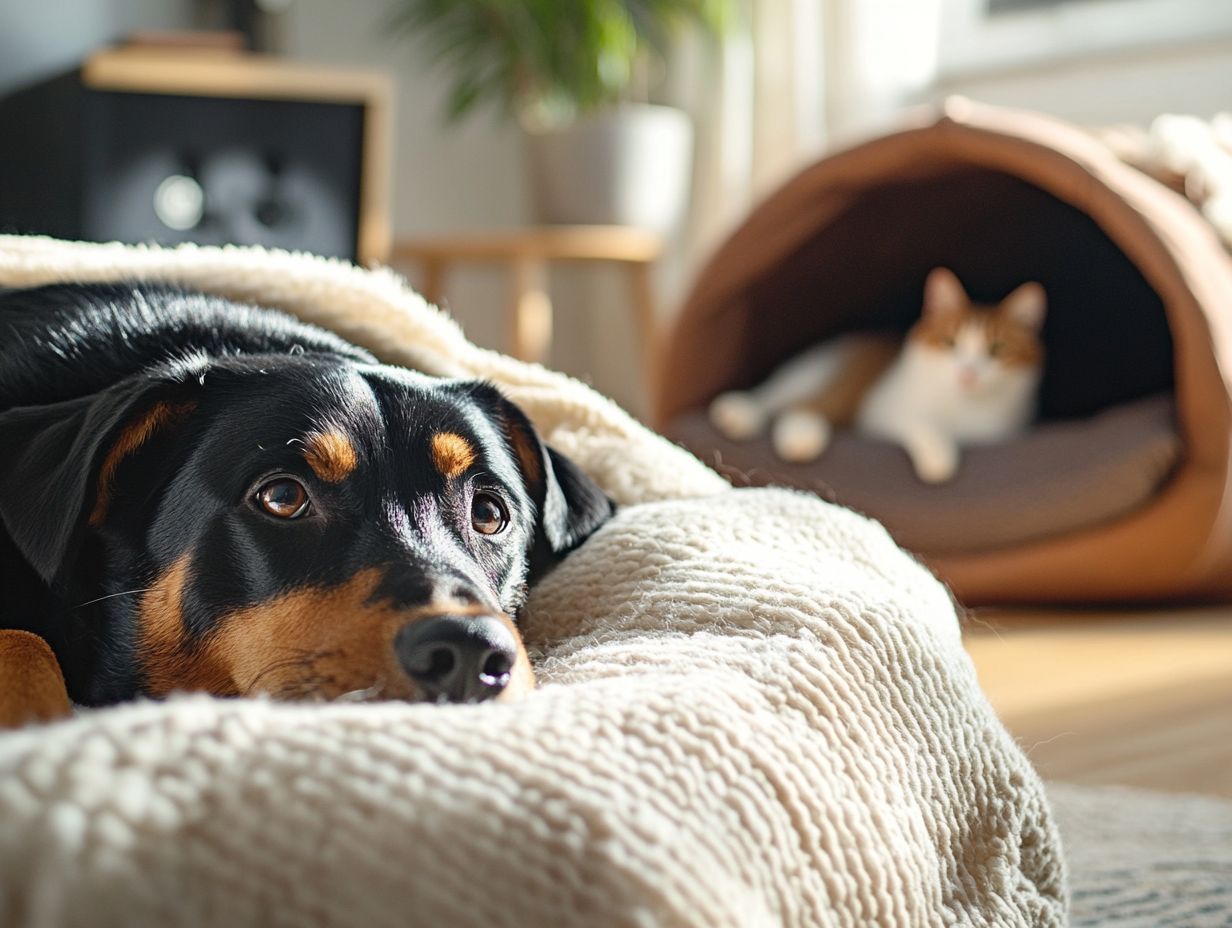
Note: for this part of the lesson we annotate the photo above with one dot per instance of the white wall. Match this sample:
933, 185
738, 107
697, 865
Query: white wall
1091, 61
40, 38
1134, 86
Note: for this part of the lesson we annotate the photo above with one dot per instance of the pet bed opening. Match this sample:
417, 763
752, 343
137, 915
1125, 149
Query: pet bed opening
1106, 334
1105, 439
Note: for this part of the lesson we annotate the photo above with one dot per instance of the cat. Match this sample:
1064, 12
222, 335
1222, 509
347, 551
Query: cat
965, 374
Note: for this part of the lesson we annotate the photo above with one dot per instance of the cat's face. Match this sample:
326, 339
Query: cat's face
974, 348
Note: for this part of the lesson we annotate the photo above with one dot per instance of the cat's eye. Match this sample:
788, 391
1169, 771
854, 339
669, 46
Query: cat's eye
488, 513
284, 498
994, 349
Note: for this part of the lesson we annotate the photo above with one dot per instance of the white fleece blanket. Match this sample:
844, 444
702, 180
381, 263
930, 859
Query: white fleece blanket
755, 711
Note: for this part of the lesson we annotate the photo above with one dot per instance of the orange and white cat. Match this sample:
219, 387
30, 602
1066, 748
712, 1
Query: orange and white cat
966, 374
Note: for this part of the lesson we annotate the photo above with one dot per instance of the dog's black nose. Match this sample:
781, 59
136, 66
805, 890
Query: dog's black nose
458, 658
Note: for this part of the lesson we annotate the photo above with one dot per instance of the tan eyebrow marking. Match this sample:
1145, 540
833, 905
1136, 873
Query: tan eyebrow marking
451, 453
134, 435
331, 455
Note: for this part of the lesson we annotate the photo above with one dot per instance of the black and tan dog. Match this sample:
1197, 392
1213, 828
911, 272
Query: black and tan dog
198, 495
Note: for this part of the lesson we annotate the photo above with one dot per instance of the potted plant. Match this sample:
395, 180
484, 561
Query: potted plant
578, 75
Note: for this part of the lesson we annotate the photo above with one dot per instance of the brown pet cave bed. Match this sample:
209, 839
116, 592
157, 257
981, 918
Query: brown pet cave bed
1121, 490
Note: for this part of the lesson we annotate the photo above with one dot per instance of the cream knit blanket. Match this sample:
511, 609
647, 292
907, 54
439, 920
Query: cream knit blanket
755, 711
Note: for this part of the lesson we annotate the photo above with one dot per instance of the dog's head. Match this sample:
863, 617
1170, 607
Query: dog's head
291, 526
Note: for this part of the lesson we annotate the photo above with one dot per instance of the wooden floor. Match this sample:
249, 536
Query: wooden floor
1135, 698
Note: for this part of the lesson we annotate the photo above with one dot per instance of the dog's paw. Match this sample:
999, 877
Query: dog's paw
737, 415
800, 436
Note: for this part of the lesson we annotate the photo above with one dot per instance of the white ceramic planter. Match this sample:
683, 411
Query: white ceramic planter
626, 166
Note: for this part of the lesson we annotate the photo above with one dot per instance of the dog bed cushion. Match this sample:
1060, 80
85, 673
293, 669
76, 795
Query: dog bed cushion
1059, 477
755, 710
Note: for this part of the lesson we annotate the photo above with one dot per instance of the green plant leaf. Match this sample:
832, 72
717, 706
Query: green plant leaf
553, 58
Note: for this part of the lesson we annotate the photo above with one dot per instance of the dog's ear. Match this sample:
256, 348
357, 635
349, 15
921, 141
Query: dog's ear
571, 505
574, 506
57, 476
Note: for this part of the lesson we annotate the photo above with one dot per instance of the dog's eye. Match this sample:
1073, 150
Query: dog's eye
284, 498
488, 514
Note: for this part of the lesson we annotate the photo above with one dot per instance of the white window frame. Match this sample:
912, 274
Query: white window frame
973, 42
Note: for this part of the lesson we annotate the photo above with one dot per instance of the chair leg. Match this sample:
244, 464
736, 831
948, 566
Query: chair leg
433, 281
642, 288
530, 336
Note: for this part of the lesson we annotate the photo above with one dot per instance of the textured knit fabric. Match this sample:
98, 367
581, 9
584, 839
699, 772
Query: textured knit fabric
754, 710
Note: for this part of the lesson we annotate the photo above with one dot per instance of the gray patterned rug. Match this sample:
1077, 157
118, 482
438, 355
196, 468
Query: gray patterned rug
1141, 859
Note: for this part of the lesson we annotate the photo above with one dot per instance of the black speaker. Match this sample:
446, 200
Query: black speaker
143, 145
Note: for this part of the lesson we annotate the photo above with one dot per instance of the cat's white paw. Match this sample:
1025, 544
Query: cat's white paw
938, 463
800, 436
737, 415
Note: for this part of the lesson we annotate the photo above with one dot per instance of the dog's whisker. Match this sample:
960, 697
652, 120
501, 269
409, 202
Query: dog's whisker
99, 599
255, 689
297, 658
300, 691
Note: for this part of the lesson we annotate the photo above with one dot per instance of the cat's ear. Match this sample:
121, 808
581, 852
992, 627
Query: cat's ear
1026, 305
943, 293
